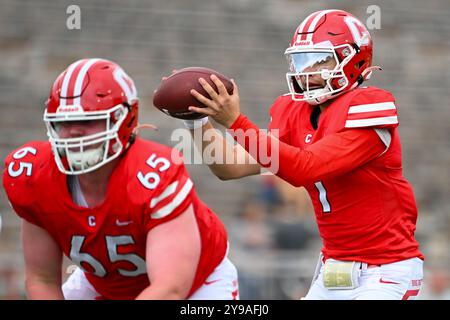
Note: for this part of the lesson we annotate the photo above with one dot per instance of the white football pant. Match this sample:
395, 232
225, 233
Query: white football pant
400, 280
222, 284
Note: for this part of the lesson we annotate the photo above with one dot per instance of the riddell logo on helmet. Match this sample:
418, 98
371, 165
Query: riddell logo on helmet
299, 42
69, 109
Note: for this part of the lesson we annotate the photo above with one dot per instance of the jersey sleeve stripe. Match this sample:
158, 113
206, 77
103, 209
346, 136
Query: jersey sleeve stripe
167, 192
371, 122
179, 198
372, 107
372, 114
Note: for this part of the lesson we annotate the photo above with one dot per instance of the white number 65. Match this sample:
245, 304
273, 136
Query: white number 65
151, 179
28, 167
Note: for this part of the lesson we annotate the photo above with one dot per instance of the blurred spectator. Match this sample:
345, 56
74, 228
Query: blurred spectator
289, 230
10, 283
298, 197
270, 195
252, 231
290, 213
436, 285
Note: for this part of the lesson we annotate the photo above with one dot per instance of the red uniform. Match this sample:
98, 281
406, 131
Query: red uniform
365, 208
109, 241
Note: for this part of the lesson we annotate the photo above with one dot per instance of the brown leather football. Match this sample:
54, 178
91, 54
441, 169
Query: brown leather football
173, 95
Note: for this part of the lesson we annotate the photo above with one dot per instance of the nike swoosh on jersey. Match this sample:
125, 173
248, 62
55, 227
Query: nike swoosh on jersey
211, 282
123, 223
384, 281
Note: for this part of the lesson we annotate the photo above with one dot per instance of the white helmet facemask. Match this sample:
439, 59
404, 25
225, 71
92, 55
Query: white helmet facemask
87, 153
306, 62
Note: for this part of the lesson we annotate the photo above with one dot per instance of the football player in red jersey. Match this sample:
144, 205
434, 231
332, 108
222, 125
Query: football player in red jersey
340, 141
122, 208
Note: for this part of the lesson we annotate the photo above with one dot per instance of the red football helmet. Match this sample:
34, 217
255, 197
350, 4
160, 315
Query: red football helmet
91, 89
332, 45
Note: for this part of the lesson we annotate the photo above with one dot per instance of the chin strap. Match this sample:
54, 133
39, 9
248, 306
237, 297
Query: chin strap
367, 73
144, 125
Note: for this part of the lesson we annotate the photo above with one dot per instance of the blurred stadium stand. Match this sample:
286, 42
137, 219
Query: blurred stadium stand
244, 39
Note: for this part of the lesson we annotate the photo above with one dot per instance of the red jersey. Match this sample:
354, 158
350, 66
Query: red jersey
364, 207
146, 189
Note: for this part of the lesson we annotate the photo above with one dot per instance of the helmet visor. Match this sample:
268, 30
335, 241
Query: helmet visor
311, 61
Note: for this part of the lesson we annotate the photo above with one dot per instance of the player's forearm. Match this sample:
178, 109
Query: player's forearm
225, 160
156, 292
330, 157
38, 289
43, 259
281, 159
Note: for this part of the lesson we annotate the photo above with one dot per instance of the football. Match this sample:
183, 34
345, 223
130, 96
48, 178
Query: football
173, 95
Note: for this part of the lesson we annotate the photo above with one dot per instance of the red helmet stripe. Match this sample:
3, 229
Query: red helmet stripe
80, 79
67, 77
313, 24
72, 81
305, 25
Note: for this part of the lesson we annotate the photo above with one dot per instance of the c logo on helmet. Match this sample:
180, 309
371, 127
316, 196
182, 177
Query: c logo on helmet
126, 84
360, 37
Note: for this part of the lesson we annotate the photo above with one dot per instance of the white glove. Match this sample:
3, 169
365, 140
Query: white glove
195, 124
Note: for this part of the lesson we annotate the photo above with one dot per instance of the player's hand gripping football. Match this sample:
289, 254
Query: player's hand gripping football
221, 106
